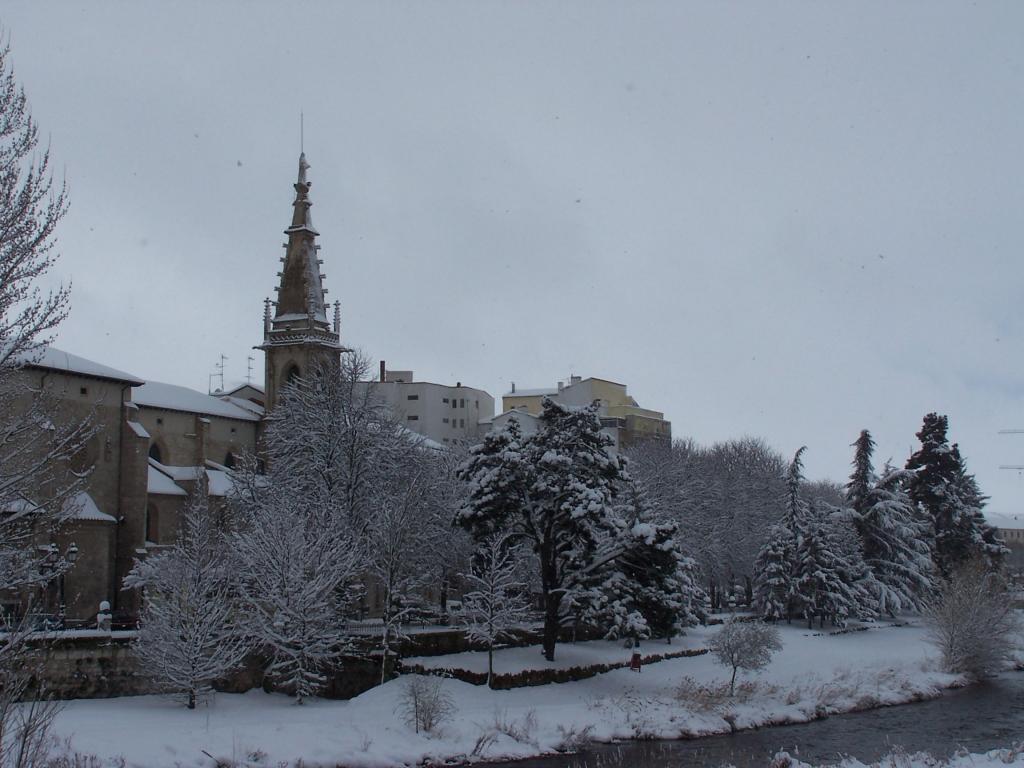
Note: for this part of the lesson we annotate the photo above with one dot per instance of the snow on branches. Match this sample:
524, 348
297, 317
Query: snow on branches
188, 636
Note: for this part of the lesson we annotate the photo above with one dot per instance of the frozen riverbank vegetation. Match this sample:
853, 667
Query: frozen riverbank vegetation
674, 698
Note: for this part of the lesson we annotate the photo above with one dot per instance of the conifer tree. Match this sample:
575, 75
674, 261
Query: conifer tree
555, 489
773, 569
825, 582
943, 489
894, 538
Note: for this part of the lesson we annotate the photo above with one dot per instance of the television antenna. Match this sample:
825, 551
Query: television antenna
219, 373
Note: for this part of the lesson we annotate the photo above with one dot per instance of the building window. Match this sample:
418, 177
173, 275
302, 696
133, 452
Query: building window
455, 403
444, 421
292, 374
159, 420
152, 529
444, 400
462, 423
412, 397
83, 390
155, 453
232, 430
412, 418
477, 405
462, 402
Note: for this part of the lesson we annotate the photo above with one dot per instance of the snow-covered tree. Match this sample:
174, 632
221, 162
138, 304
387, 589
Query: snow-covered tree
773, 569
405, 534
828, 579
297, 545
651, 588
894, 536
941, 487
554, 489
42, 452
187, 632
747, 645
496, 600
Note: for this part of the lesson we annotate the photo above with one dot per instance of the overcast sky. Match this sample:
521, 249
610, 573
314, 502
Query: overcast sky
791, 220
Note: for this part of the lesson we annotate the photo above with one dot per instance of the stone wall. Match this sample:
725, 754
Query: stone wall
97, 665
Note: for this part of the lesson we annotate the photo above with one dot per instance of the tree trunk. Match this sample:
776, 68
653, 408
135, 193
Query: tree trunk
748, 591
490, 666
192, 699
732, 683
552, 599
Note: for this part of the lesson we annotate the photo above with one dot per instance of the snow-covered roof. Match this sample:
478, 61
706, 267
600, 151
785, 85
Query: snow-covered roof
83, 507
532, 392
234, 386
160, 484
1006, 521
171, 397
177, 473
247, 405
138, 429
219, 482
55, 359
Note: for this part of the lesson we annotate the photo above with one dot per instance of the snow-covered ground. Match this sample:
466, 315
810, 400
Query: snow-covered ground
812, 675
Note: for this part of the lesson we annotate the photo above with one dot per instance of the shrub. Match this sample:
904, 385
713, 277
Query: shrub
971, 621
425, 704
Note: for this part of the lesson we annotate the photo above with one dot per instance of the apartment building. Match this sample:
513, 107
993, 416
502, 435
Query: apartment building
441, 412
621, 416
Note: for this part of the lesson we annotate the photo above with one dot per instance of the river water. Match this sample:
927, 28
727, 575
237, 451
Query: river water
981, 717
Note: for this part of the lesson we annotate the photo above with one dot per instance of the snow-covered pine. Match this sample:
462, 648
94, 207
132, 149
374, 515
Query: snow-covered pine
895, 538
773, 569
496, 601
555, 489
941, 487
826, 583
651, 586
188, 637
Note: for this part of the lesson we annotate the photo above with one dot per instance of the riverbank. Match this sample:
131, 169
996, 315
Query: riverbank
813, 676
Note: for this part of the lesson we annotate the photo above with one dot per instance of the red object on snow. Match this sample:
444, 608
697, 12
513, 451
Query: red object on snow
634, 661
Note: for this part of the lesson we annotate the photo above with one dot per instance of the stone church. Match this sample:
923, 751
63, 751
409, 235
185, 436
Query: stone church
156, 440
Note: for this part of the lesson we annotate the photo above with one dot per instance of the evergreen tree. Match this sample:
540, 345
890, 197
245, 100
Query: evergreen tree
942, 489
773, 569
187, 634
826, 581
555, 489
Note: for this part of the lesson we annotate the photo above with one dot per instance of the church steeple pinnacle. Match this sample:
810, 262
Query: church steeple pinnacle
299, 337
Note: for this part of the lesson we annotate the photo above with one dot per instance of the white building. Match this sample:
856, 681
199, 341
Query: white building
444, 413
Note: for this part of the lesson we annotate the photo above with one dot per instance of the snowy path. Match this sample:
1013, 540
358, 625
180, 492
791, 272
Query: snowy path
885, 665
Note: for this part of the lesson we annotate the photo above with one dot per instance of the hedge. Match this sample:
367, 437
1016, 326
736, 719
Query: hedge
530, 677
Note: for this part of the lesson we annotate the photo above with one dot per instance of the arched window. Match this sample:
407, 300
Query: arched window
292, 373
155, 453
229, 460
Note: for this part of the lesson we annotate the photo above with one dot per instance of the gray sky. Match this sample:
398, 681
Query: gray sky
791, 220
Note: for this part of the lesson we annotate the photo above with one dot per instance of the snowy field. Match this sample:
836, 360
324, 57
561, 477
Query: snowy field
884, 665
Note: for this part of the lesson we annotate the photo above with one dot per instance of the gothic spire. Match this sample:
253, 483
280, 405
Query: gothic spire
301, 293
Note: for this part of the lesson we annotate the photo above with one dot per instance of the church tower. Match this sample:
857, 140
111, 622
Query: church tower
297, 338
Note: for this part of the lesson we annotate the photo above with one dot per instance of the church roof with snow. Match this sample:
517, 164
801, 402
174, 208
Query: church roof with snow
53, 359
171, 397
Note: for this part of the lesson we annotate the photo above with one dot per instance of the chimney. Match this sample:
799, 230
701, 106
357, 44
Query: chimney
513, 387
383, 372
561, 385
458, 383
